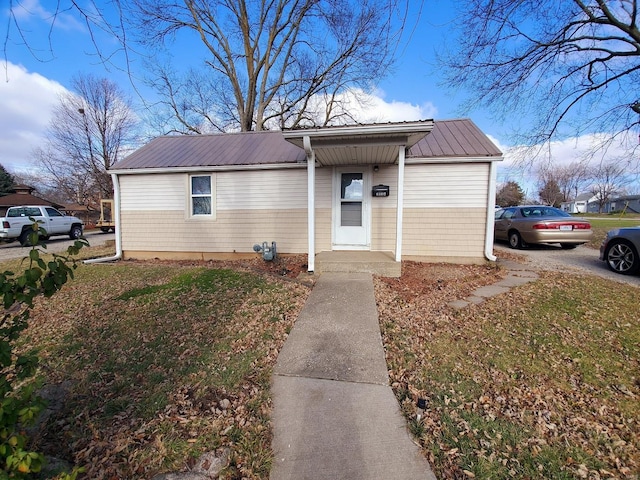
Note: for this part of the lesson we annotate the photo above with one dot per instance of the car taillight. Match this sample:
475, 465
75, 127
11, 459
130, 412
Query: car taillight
558, 226
582, 226
5, 224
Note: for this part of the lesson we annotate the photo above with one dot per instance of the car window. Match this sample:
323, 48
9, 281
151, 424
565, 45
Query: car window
509, 213
499, 213
53, 212
554, 212
33, 212
531, 212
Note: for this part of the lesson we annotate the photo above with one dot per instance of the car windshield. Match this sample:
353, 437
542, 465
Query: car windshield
542, 211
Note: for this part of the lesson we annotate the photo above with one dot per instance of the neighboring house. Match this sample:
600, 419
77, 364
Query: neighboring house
23, 195
628, 204
579, 205
312, 190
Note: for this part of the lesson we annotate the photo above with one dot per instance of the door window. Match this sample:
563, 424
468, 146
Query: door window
351, 196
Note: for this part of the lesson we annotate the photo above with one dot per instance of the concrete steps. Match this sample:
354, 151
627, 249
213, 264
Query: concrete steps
378, 263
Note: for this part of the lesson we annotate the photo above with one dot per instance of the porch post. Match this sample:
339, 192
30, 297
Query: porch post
400, 203
311, 202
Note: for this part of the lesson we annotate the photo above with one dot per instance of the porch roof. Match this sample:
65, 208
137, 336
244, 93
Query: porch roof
360, 144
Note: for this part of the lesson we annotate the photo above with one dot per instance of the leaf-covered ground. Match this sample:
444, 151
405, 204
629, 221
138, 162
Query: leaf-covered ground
541, 382
161, 362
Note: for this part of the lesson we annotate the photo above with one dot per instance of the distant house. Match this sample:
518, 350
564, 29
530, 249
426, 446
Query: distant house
417, 190
579, 205
628, 203
23, 195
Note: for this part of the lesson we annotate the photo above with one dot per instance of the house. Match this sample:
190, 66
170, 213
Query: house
579, 204
416, 190
627, 203
23, 195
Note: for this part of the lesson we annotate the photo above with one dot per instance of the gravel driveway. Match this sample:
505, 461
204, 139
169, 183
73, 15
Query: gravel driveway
54, 245
550, 257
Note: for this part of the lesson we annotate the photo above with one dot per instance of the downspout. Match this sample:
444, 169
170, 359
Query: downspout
400, 203
311, 203
118, 232
491, 207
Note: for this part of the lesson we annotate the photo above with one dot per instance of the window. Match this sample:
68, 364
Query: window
53, 212
201, 197
24, 212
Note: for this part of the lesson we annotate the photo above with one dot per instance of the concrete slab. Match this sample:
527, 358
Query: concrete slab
458, 304
514, 281
325, 429
378, 263
337, 335
490, 291
334, 413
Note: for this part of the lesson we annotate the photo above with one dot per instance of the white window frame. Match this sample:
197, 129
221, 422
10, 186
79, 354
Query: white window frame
211, 196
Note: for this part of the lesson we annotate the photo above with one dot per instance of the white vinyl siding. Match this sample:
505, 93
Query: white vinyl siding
445, 210
262, 190
462, 185
153, 192
250, 207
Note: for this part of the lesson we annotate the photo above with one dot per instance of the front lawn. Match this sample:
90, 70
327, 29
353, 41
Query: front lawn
541, 382
160, 362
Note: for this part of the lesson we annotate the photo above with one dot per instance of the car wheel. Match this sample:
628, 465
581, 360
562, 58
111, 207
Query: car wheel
76, 232
622, 258
515, 240
25, 237
568, 246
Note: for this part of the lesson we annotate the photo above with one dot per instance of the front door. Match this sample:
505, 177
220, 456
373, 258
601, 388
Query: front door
351, 209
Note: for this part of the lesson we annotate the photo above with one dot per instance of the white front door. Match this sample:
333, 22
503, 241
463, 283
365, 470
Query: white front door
351, 209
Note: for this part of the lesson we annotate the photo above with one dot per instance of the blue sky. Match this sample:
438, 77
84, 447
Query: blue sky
33, 79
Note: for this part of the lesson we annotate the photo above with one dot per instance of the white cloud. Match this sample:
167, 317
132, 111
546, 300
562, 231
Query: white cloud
26, 103
374, 108
27, 10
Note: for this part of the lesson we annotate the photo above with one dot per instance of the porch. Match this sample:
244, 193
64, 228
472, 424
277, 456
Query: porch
378, 263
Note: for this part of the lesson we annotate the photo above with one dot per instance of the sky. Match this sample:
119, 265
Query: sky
34, 77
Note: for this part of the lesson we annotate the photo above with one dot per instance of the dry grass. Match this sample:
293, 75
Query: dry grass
542, 382
168, 360
163, 362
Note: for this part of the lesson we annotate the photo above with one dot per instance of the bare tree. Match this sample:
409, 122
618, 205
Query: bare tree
90, 130
269, 62
561, 183
609, 180
574, 65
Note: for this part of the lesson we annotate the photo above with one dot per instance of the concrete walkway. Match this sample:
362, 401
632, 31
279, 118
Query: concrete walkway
335, 415
517, 275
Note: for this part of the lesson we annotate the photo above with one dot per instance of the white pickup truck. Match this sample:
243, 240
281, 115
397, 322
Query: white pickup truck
16, 224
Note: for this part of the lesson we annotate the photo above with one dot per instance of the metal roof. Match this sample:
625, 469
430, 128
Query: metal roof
228, 149
454, 138
351, 145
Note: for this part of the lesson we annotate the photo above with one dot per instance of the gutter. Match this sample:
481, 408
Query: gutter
491, 207
118, 232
